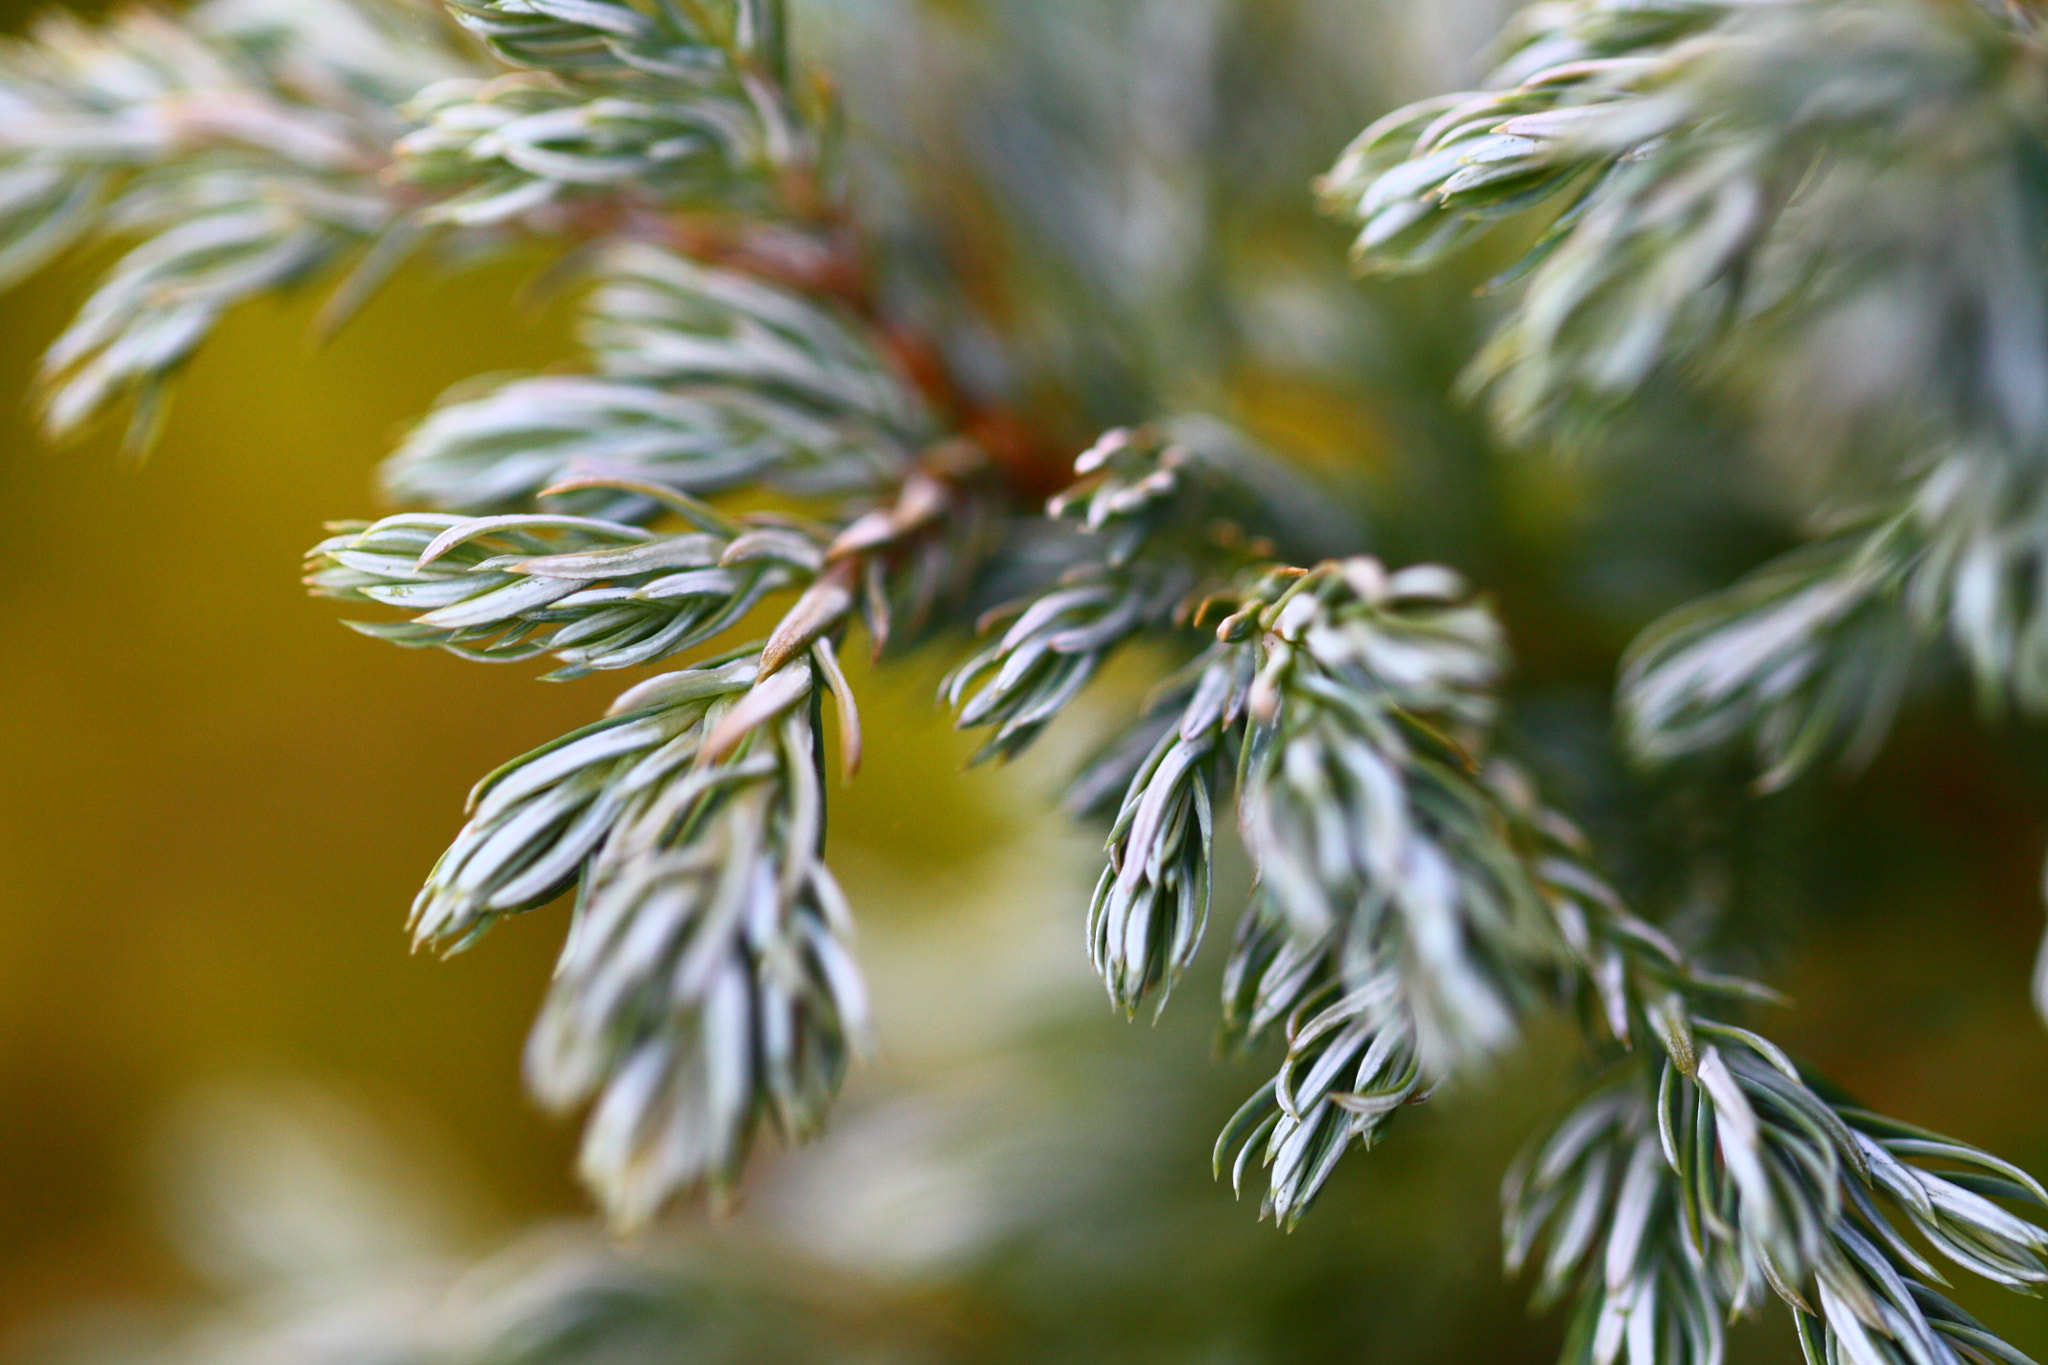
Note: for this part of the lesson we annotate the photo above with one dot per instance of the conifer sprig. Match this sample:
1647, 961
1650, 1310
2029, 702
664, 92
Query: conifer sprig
707, 983
254, 147
1351, 1063
1416, 901
1357, 800
1671, 1208
594, 594
1827, 212
1812, 652
705, 380
632, 108
1383, 994
1809, 654
242, 144
1151, 904
1744, 189
1161, 525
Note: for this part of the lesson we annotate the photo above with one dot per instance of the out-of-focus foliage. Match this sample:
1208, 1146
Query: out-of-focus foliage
242, 148
875, 331
1826, 210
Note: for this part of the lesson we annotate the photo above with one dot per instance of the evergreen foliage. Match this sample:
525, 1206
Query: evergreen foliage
1826, 214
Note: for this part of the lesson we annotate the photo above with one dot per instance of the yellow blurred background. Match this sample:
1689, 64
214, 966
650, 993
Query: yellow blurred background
218, 803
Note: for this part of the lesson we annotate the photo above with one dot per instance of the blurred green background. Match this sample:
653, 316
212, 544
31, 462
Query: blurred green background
217, 804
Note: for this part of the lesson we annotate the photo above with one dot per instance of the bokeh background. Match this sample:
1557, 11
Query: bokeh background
215, 803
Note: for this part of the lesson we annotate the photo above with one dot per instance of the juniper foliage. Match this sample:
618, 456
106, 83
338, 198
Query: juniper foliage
1825, 213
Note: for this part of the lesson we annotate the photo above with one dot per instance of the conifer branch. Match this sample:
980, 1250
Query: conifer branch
1671, 1207
1732, 189
705, 983
1823, 210
1744, 189
1417, 901
1151, 903
252, 148
1813, 652
1390, 976
1351, 1064
243, 145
